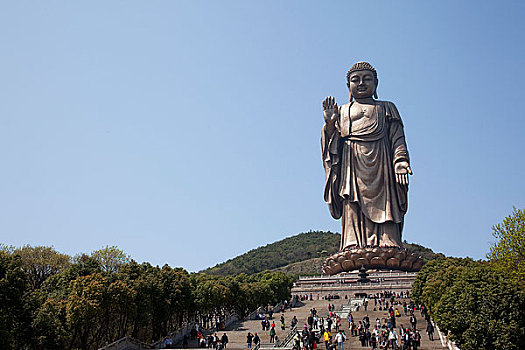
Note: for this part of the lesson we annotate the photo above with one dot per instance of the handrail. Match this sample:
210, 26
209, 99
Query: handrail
287, 338
445, 341
350, 275
124, 339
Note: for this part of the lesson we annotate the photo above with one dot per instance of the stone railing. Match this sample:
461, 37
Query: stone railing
253, 315
126, 343
287, 339
178, 334
445, 342
365, 286
343, 276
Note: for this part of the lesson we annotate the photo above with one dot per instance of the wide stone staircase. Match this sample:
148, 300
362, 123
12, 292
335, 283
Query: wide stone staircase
238, 331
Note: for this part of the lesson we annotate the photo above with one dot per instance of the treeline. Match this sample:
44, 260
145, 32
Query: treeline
49, 300
481, 303
480, 307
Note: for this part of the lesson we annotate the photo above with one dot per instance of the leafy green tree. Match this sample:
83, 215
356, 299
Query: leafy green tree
84, 309
58, 286
110, 259
51, 326
434, 277
507, 255
177, 295
163, 298
119, 309
482, 310
13, 287
260, 294
150, 304
210, 294
41, 317
41, 262
479, 306
241, 294
278, 283
9, 249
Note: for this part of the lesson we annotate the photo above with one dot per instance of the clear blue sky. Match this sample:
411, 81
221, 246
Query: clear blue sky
187, 132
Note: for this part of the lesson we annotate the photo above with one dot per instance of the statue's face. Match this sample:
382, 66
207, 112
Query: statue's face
362, 84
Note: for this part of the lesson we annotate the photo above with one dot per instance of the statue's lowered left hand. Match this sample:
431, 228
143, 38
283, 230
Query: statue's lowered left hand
402, 169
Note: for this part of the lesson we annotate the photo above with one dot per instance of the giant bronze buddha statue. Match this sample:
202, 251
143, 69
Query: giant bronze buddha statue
367, 167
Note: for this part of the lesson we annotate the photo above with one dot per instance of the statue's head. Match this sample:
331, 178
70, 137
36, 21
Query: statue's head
362, 81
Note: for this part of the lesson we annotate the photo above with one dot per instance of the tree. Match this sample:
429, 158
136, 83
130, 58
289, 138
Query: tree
9, 249
119, 309
41, 262
111, 259
84, 309
279, 283
58, 286
13, 285
481, 309
507, 255
479, 306
434, 277
51, 326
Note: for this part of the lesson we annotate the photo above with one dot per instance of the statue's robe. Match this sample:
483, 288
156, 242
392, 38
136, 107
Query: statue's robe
360, 186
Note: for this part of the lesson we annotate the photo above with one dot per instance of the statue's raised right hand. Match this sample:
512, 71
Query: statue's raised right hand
330, 110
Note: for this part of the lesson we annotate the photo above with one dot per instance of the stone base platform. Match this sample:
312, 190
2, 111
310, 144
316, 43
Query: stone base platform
390, 258
346, 285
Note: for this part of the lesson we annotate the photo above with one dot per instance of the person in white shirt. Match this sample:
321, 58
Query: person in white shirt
392, 338
340, 338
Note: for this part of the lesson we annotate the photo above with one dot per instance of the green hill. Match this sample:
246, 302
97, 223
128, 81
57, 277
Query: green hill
302, 254
426, 253
308, 267
304, 246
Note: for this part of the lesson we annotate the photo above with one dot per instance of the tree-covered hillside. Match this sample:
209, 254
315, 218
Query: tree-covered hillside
304, 246
302, 254
426, 253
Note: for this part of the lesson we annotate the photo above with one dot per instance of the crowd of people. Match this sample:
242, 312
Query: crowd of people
211, 341
382, 333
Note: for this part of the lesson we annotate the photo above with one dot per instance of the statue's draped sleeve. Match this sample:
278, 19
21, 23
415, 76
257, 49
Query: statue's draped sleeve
397, 135
399, 149
331, 151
